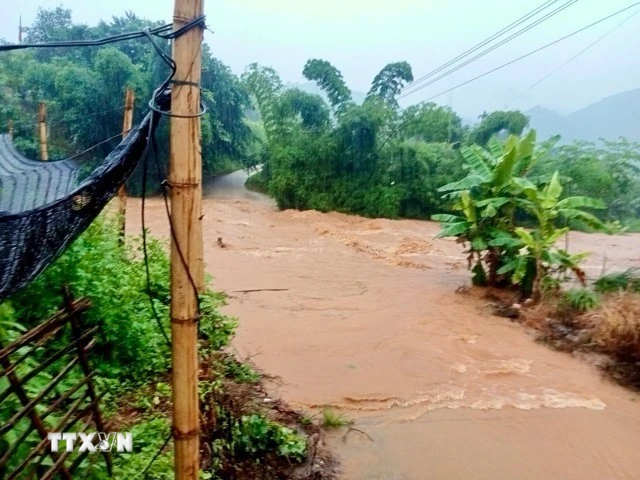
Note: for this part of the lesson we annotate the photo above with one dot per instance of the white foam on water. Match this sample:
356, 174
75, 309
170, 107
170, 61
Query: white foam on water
512, 365
455, 397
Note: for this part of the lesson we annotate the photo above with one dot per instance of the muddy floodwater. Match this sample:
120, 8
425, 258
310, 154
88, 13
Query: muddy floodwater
369, 322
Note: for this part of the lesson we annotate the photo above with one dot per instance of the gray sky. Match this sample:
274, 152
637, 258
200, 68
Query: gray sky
361, 36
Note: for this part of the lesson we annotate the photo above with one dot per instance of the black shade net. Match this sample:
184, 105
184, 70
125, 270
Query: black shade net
44, 206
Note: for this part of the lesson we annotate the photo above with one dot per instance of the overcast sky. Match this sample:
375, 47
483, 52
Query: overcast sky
361, 36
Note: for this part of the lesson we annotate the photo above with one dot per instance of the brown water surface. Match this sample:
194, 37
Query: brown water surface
370, 324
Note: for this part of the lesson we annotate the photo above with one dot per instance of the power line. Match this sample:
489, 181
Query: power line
498, 34
493, 47
157, 31
534, 51
88, 43
455, 87
93, 147
588, 47
66, 118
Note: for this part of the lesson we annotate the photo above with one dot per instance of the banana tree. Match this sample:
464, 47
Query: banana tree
488, 198
539, 245
485, 199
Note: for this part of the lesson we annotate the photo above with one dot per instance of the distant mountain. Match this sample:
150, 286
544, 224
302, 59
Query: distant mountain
610, 118
312, 87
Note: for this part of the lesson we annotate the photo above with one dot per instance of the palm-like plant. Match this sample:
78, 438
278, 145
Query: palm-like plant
495, 190
485, 199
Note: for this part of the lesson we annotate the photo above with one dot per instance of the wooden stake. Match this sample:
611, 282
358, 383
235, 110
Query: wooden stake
42, 130
127, 124
10, 128
185, 177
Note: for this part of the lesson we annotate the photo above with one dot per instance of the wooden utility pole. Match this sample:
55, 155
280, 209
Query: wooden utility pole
42, 131
127, 124
185, 180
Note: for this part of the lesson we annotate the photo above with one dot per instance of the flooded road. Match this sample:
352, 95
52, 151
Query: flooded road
369, 323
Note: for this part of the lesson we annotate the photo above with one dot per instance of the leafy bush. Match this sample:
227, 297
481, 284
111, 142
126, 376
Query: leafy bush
620, 281
490, 199
130, 343
257, 182
608, 171
255, 434
581, 299
331, 419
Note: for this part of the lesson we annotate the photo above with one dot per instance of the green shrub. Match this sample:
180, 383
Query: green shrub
257, 182
130, 344
581, 299
487, 203
255, 434
620, 281
331, 419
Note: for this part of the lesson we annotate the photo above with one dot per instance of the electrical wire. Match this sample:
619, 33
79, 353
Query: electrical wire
93, 43
164, 186
488, 40
65, 119
153, 103
97, 145
88, 115
145, 252
491, 49
581, 52
535, 51
148, 33
455, 87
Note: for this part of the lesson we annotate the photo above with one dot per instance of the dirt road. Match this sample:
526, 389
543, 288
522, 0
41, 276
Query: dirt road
370, 323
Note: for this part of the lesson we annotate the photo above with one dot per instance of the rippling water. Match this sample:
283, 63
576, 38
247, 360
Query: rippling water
370, 324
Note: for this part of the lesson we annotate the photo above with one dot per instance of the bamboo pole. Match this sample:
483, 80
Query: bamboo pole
185, 177
42, 130
127, 124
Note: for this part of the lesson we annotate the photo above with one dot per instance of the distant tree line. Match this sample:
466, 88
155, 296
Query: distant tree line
325, 153
84, 90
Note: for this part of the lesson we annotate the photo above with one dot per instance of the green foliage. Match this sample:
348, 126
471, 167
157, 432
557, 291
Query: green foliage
241, 372
581, 299
498, 188
256, 435
432, 124
265, 85
390, 81
331, 419
609, 172
257, 182
311, 109
130, 344
315, 163
417, 170
513, 122
95, 266
330, 80
619, 281
148, 437
131, 353
78, 84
